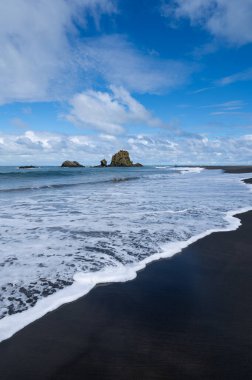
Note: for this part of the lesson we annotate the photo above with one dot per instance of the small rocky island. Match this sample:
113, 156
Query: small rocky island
120, 159
27, 167
71, 164
103, 164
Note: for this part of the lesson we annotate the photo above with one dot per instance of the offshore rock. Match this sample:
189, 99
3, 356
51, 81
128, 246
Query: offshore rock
71, 164
27, 167
121, 158
104, 163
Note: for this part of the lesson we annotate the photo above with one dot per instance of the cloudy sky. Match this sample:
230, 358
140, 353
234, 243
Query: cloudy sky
168, 80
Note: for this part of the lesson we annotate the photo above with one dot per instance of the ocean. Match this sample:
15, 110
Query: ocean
64, 230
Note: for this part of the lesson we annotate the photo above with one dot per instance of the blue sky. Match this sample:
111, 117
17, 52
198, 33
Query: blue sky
170, 81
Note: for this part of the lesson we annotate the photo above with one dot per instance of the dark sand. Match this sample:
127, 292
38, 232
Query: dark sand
188, 317
248, 181
231, 169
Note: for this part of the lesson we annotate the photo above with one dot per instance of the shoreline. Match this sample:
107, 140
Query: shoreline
84, 283
83, 288
231, 169
66, 337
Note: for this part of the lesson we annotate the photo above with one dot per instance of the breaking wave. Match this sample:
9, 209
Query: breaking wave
57, 245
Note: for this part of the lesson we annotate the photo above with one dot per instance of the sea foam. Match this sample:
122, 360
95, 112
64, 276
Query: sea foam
84, 282
73, 240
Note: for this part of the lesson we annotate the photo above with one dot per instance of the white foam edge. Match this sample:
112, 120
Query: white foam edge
182, 169
249, 185
84, 282
191, 170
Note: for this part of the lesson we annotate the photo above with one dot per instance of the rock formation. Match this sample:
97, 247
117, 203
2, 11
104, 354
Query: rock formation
27, 167
71, 164
122, 158
104, 163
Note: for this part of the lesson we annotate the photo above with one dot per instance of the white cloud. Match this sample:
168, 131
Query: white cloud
230, 105
17, 122
241, 76
36, 52
43, 56
108, 111
203, 89
26, 110
117, 61
43, 148
226, 19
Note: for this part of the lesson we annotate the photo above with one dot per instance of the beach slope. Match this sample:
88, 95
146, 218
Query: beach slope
188, 317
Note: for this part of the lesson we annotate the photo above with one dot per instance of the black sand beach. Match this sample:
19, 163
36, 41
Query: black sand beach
188, 317
231, 169
248, 181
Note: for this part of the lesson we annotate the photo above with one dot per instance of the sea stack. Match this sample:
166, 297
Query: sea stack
71, 164
122, 158
104, 163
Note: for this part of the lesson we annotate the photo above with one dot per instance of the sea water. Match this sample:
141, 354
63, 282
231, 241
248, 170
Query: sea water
63, 230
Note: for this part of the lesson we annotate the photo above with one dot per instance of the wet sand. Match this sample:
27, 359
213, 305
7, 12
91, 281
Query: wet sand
248, 181
188, 317
231, 169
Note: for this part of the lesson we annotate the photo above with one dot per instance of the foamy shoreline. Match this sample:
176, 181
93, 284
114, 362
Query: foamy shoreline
84, 283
